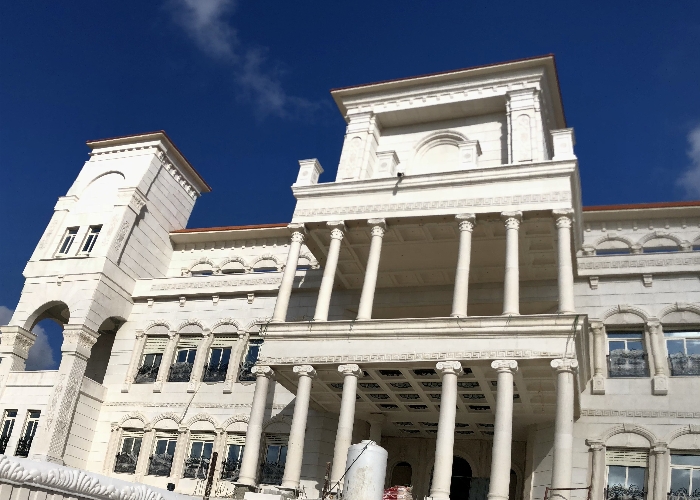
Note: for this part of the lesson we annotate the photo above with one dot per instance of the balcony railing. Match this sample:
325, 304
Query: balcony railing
627, 364
684, 364
196, 468
245, 374
3, 443
23, 446
160, 465
230, 470
683, 494
146, 375
619, 492
125, 463
215, 373
180, 372
272, 473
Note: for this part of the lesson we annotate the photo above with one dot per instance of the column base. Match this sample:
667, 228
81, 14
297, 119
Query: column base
457, 315
506, 313
659, 385
598, 384
241, 489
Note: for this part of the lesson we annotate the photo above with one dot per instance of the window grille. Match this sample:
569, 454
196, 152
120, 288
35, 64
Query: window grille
217, 366
161, 461
197, 464
30, 426
685, 477
128, 455
231, 466
67, 241
251, 357
626, 470
92, 235
275, 459
152, 358
683, 352
626, 356
181, 369
8, 424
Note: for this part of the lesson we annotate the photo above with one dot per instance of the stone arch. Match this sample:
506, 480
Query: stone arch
235, 258
56, 310
134, 416
626, 308
234, 419
101, 352
278, 419
614, 237
444, 143
227, 321
253, 326
166, 416
201, 417
191, 322
268, 256
660, 234
156, 323
679, 307
681, 431
629, 429
204, 262
100, 194
313, 263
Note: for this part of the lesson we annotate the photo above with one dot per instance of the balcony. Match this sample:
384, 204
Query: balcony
146, 375
125, 463
160, 465
684, 494
23, 446
180, 372
230, 470
196, 468
215, 373
684, 365
619, 492
623, 364
272, 473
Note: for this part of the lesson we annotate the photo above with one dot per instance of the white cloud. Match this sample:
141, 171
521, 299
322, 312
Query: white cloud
690, 179
206, 22
41, 356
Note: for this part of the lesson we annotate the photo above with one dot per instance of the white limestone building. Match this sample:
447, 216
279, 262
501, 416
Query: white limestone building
446, 295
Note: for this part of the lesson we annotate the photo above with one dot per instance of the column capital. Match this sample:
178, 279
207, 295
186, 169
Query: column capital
654, 326
659, 448
78, 339
304, 371
262, 371
466, 221
595, 444
337, 228
505, 365
563, 217
598, 327
378, 226
512, 219
445, 367
16, 340
564, 365
351, 369
298, 231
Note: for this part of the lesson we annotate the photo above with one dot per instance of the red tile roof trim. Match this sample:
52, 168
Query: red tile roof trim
641, 206
228, 228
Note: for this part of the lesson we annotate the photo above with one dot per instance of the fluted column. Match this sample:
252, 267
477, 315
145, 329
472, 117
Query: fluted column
565, 276
461, 292
563, 451
251, 452
659, 363
598, 383
295, 453
511, 281
290, 271
597, 449
503, 430
444, 445
343, 437
368, 287
326, 289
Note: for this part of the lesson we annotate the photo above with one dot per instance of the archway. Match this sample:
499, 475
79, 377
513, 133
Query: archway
102, 350
47, 324
402, 474
461, 479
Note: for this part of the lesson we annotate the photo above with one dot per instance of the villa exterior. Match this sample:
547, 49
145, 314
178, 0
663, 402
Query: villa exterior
447, 296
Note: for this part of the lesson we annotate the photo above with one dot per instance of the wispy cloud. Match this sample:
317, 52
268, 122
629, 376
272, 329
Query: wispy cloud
41, 355
690, 179
208, 24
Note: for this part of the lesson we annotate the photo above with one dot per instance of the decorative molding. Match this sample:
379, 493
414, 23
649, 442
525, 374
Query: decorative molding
466, 221
593, 282
679, 307
640, 261
506, 365
625, 308
172, 170
564, 365
262, 371
227, 406
639, 413
268, 280
304, 371
499, 201
451, 367
350, 370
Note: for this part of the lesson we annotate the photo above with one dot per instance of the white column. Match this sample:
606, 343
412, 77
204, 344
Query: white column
251, 452
503, 430
563, 451
659, 383
200, 360
375, 249
166, 361
461, 292
597, 449
444, 445
511, 281
343, 437
295, 453
376, 421
234, 363
290, 271
326, 289
136, 355
565, 276
598, 329
662, 466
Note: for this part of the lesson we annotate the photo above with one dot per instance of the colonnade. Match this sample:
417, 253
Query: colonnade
511, 283
449, 372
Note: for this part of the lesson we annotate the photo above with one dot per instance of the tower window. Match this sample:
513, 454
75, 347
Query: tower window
93, 233
67, 241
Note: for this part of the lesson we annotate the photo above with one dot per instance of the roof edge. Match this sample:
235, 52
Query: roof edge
229, 228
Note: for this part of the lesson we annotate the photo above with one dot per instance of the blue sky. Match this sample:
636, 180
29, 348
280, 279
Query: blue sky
242, 88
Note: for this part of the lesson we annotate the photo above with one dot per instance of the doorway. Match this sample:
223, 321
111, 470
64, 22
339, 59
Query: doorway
461, 479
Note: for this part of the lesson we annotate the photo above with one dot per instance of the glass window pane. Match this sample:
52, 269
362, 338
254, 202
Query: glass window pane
283, 455
127, 445
685, 460
196, 450
171, 447
692, 346
634, 346
273, 452
161, 446
181, 356
617, 474
680, 478
696, 480
674, 346
635, 477
206, 452
215, 357
190, 355
137, 447
225, 356
617, 346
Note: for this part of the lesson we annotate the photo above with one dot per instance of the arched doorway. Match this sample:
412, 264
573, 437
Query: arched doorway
461, 479
102, 350
402, 474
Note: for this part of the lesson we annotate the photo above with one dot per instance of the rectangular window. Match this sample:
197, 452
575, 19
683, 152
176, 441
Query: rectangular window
91, 238
181, 369
626, 356
197, 465
25, 441
683, 352
217, 367
161, 462
150, 362
8, 423
128, 454
626, 471
231, 466
251, 357
685, 476
275, 458
67, 241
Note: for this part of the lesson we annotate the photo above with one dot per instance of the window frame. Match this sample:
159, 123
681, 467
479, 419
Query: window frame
8, 421
691, 468
68, 239
90, 239
244, 374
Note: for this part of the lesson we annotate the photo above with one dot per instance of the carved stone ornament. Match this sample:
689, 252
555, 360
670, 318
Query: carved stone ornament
121, 235
564, 365
351, 369
78, 339
304, 371
466, 222
595, 444
262, 371
563, 218
453, 367
654, 327
298, 232
17, 340
505, 365
512, 219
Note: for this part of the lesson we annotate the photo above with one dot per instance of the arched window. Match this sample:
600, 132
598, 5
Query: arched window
402, 474
202, 269
265, 266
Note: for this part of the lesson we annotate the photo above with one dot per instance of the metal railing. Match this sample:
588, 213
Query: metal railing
230, 470
196, 468
160, 465
125, 463
245, 374
627, 364
684, 494
619, 492
23, 446
684, 364
272, 473
146, 374
180, 372
215, 373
